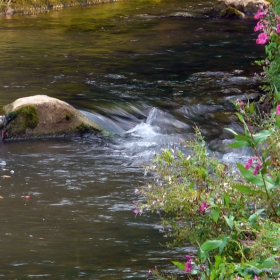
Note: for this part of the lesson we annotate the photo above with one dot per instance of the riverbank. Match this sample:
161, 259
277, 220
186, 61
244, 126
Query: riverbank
25, 7
10, 7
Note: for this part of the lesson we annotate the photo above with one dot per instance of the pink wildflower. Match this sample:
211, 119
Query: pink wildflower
240, 103
249, 163
256, 170
278, 110
256, 277
260, 14
259, 26
203, 206
188, 257
136, 211
278, 28
150, 271
188, 267
262, 38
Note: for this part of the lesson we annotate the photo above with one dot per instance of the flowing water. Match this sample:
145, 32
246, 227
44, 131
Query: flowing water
147, 71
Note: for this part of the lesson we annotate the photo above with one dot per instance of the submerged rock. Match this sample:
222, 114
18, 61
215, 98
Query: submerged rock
231, 12
43, 116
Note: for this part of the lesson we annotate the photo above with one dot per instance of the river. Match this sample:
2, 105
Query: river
147, 71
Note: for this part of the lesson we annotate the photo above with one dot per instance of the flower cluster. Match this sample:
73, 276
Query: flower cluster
278, 110
188, 267
257, 167
203, 206
262, 25
265, 16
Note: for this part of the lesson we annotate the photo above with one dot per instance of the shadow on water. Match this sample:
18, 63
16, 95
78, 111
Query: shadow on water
146, 71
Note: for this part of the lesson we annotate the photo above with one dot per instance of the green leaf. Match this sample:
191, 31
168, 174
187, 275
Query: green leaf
240, 117
253, 218
262, 136
255, 179
180, 155
202, 255
278, 120
269, 262
225, 240
226, 199
276, 94
277, 181
231, 130
210, 245
215, 214
181, 266
252, 108
247, 190
230, 221
242, 137
218, 260
239, 144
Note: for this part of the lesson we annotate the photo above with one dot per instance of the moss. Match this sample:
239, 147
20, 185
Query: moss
30, 116
231, 12
86, 129
68, 117
18, 121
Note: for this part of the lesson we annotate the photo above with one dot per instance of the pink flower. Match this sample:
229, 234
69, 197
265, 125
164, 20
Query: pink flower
278, 28
188, 267
154, 202
256, 277
259, 26
278, 110
150, 271
256, 170
136, 211
188, 257
249, 163
260, 14
240, 103
203, 206
262, 38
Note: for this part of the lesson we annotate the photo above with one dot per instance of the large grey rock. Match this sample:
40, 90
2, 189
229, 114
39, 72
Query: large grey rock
43, 116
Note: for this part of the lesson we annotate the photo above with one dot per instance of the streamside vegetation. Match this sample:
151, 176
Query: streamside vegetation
9, 7
231, 215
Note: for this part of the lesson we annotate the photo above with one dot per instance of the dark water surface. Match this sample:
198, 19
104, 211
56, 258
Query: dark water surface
142, 71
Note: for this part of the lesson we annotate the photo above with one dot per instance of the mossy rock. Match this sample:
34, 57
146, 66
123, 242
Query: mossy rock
231, 12
43, 116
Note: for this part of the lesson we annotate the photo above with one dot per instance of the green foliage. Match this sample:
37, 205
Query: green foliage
271, 64
204, 203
